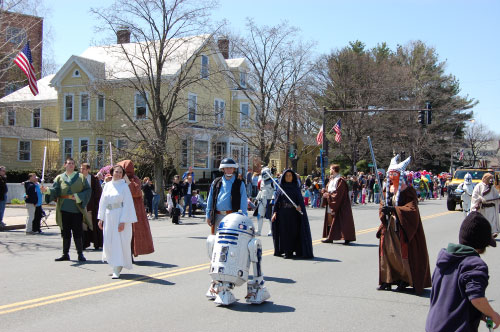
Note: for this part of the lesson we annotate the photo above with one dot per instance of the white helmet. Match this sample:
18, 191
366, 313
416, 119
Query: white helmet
468, 178
227, 162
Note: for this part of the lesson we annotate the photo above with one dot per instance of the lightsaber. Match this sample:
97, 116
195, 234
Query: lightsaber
43, 165
110, 154
276, 183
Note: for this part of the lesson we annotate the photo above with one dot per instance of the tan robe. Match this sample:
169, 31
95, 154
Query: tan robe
339, 223
403, 252
142, 241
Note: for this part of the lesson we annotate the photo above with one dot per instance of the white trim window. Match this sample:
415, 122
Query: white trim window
84, 107
243, 79
140, 107
184, 153
219, 110
15, 35
204, 67
68, 106
67, 148
36, 119
11, 116
24, 149
100, 108
99, 149
200, 154
244, 115
192, 107
121, 144
84, 149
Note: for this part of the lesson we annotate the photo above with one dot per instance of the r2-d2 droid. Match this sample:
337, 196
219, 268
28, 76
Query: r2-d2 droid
231, 251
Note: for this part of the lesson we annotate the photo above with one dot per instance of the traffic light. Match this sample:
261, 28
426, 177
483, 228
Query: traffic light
421, 117
429, 113
291, 154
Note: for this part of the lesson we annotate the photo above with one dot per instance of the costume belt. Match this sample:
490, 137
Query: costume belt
66, 196
487, 205
114, 206
224, 212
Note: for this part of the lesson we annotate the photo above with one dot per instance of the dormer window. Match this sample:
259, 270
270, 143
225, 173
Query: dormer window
76, 73
243, 79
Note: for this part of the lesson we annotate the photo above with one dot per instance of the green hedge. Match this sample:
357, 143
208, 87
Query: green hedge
16, 176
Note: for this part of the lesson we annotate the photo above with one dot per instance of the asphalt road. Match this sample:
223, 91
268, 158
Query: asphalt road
165, 290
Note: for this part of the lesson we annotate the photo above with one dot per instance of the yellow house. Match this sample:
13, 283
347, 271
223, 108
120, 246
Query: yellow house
97, 108
306, 150
27, 124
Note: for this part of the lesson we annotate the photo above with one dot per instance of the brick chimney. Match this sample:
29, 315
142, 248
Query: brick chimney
123, 35
223, 44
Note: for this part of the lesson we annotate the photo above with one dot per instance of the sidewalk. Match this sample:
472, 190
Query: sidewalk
15, 217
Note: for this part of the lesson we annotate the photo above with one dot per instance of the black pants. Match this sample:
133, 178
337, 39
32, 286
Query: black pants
37, 219
72, 223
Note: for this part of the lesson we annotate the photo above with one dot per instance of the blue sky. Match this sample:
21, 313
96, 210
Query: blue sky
465, 33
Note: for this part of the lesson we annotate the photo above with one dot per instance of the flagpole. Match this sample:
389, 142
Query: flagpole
324, 149
43, 165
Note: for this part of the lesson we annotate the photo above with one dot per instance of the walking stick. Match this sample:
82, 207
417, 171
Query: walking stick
276, 183
378, 179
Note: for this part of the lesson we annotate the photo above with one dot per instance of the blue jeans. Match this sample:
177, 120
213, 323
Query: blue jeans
156, 201
187, 202
377, 198
2, 207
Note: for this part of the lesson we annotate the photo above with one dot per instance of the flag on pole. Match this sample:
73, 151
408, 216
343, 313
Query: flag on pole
24, 61
336, 128
319, 137
461, 154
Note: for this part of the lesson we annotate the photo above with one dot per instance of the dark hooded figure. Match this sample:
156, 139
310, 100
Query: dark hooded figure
291, 232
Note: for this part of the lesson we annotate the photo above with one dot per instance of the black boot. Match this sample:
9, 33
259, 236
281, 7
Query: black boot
79, 248
65, 255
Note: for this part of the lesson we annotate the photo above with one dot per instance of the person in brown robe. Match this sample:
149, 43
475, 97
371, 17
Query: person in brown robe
142, 241
92, 233
338, 223
403, 256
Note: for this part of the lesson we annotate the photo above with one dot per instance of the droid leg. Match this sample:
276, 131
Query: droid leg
221, 293
257, 292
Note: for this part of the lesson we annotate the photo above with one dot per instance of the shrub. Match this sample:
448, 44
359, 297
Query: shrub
16, 201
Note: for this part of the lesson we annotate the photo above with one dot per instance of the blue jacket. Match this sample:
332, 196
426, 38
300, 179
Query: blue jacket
31, 195
460, 276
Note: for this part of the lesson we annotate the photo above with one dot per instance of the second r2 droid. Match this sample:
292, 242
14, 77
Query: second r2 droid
231, 251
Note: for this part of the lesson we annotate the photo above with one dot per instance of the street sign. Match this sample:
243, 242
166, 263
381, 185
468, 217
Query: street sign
370, 165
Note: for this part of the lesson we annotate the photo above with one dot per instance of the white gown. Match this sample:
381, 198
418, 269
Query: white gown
117, 245
490, 213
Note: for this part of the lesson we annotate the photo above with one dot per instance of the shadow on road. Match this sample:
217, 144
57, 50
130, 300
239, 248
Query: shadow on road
147, 279
197, 237
323, 259
154, 264
275, 279
268, 307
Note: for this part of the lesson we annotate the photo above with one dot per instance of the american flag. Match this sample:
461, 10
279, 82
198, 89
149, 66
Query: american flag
24, 61
319, 137
336, 128
461, 154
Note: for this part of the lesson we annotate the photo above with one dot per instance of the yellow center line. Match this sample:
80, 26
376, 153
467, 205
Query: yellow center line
33, 303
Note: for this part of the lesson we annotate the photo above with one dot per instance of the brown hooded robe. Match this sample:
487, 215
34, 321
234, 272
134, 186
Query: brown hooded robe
142, 241
93, 234
342, 222
403, 253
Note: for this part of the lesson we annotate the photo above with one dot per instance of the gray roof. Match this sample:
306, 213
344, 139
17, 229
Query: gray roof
27, 133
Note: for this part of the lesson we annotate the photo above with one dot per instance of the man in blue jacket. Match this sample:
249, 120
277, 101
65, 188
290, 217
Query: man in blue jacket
458, 300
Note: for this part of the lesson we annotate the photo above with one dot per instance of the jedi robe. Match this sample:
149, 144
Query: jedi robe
142, 241
117, 206
338, 223
489, 210
93, 234
403, 252
64, 185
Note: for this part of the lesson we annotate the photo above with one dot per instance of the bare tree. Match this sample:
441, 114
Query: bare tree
277, 62
164, 34
476, 139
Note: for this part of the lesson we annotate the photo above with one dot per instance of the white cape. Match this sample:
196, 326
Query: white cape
117, 245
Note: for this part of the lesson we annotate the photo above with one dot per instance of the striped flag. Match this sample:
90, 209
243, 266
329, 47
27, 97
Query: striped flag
24, 61
319, 137
461, 154
336, 128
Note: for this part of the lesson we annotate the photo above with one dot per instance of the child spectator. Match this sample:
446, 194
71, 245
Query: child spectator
307, 195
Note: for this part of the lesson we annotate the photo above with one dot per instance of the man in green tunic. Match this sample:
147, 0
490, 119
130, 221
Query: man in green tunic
72, 192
